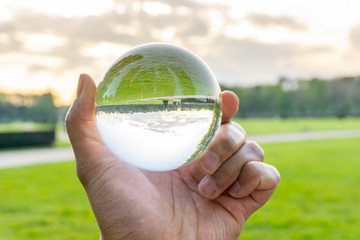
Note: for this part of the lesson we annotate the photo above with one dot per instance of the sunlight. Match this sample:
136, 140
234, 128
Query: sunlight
105, 49
4, 38
65, 8
5, 14
61, 38
167, 35
136, 6
156, 8
42, 42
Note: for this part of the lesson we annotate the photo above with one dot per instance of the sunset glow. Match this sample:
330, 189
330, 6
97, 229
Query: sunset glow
45, 45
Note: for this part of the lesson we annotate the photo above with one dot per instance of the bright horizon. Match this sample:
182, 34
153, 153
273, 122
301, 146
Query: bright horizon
44, 46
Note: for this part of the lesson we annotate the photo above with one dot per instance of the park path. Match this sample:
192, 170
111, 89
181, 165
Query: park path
305, 136
17, 158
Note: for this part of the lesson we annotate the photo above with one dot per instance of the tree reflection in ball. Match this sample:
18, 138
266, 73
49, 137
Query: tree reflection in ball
158, 106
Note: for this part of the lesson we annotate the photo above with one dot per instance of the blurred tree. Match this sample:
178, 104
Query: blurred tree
300, 98
35, 108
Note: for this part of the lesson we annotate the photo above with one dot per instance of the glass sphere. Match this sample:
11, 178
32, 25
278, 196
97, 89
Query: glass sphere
158, 106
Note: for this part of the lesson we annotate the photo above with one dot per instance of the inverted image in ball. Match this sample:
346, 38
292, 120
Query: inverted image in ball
158, 106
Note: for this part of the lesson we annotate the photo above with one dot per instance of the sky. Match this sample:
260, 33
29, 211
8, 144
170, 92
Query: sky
45, 45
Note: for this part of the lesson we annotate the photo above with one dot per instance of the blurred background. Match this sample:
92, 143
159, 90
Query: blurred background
293, 64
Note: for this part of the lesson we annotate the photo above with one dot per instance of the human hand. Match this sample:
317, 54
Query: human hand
209, 198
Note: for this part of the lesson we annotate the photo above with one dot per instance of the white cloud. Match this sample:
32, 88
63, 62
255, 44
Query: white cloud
265, 21
64, 8
58, 41
5, 14
42, 43
157, 8
354, 37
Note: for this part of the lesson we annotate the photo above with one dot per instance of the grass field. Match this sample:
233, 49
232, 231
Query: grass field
44, 202
278, 125
318, 197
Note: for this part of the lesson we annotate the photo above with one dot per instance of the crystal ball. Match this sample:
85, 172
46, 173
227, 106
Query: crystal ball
158, 106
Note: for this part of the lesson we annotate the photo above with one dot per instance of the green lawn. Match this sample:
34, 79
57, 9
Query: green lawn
318, 197
44, 202
277, 125
25, 127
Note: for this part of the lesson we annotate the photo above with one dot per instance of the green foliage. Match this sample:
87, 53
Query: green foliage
289, 98
27, 108
27, 120
318, 196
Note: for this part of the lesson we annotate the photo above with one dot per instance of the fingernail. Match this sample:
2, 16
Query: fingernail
234, 189
207, 186
80, 85
211, 162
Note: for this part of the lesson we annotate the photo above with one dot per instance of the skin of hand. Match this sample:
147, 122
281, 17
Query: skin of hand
209, 198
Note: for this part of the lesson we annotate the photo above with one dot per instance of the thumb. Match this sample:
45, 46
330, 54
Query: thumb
89, 149
80, 116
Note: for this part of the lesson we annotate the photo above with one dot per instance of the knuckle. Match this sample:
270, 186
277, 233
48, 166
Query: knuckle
270, 176
227, 144
227, 171
82, 177
231, 138
225, 176
255, 150
69, 118
82, 173
275, 174
239, 128
251, 169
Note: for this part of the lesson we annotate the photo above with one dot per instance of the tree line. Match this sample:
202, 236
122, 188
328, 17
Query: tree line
300, 98
288, 98
28, 108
